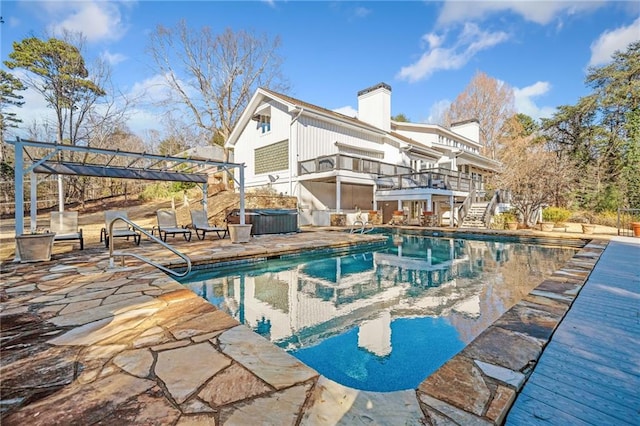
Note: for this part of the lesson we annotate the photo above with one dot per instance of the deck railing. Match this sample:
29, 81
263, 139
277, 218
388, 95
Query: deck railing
327, 163
392, 176
447, 180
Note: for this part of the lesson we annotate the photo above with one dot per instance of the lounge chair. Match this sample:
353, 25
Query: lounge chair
120, 229
200, 224
65, 225
168, 225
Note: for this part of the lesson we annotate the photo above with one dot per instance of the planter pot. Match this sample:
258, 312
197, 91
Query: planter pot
398, 212
338, 219
34, 247
240, 233
635, 226
546, 226
512, 226
588, 228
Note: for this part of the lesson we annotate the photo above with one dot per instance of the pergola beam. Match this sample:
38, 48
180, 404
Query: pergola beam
45, 164
67, 168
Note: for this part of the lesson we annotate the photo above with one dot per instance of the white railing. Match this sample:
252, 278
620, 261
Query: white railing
122, 254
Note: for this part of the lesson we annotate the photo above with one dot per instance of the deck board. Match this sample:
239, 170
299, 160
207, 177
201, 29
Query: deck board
593, 380
589, 373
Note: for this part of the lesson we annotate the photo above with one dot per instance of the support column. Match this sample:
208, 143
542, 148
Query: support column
375, 202
60, 194
241, 172
33, 207
338, 194
205, 194
18, 179
399, 205
451, 222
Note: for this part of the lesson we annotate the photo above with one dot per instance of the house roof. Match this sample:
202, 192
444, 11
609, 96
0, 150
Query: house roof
297, 106
293, 104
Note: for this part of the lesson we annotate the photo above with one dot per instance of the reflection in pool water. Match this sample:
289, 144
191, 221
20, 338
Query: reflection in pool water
381, 320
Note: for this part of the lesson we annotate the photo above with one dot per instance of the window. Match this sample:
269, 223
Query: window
264, 123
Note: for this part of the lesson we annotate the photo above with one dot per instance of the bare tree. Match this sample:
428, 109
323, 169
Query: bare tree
489, 101
213, 76
525, 165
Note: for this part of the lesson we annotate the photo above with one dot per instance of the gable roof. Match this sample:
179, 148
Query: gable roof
294, 105
297, 106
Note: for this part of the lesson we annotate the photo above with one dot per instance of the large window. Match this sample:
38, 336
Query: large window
272, 158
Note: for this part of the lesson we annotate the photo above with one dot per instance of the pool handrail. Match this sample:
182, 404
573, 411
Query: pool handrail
122, 254
363, 226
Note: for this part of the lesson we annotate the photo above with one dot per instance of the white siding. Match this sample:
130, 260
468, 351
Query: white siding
317, 138
252, 138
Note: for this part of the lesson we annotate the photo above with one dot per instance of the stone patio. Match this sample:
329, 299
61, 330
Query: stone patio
84, 343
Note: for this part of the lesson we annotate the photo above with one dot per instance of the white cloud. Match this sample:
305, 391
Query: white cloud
151, 90
96, 20
610, 41
437, 111
361, 12
540, 12
347, 110
525, 103
13, 22
470, 41
113, 58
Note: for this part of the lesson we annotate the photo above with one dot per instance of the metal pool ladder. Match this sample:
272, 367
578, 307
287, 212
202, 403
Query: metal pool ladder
361, 227
122, 254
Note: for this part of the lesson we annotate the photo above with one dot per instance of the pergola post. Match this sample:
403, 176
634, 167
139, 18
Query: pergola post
241, 172
33, 207
205, 195
19, 186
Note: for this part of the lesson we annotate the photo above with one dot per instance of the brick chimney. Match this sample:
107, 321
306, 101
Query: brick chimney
374, 106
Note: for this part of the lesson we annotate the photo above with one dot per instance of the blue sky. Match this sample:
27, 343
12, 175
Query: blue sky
428, 51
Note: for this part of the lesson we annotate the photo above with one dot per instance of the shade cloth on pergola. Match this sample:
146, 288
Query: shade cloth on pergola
48, 158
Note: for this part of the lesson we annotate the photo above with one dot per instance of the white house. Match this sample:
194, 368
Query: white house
335, 163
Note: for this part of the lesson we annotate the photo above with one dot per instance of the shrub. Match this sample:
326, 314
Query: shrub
555, 214
500, 220
156, 191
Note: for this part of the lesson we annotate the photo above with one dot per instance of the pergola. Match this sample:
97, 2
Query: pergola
49, 158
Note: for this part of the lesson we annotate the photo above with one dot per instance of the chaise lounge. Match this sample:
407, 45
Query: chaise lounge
168, 225
65, 226
120, 229
200, 224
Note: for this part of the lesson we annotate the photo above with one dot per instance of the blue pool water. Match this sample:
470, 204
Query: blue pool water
381, 320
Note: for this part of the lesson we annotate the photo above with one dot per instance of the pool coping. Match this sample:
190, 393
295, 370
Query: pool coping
488, 372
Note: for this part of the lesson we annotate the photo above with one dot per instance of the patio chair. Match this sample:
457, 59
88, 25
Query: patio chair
200, 224
120, 229
65, 226
168, 225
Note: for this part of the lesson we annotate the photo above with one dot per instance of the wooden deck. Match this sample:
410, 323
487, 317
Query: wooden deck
589, 374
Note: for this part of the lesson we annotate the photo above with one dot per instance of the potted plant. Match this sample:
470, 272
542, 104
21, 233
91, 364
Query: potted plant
554, 217
510, 220
34, 247
635, 226
588, 227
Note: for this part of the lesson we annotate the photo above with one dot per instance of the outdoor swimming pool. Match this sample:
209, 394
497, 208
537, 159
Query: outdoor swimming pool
381, 320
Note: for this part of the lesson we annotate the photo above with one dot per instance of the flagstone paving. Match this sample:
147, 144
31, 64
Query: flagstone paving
86, 343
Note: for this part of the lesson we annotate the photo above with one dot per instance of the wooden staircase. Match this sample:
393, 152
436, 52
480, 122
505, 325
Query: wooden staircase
475, 217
